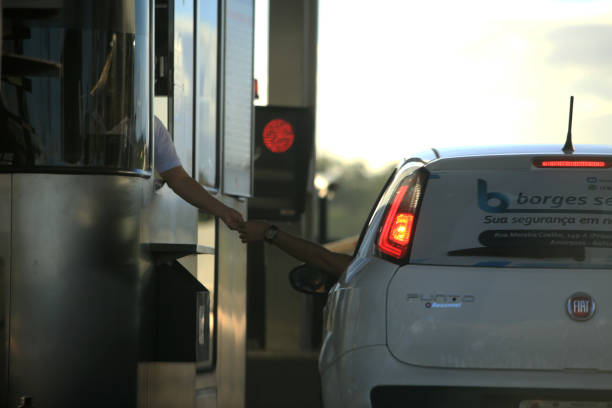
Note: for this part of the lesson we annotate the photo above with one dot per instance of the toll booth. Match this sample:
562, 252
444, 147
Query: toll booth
113, 290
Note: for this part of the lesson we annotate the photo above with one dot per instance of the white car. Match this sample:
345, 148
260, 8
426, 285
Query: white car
483, 278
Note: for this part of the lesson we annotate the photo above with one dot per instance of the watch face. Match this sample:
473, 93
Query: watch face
270, 233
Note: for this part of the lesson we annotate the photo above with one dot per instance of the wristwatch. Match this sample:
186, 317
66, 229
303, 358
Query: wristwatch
270, 233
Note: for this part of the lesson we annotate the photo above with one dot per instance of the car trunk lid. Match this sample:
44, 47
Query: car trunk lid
498, 318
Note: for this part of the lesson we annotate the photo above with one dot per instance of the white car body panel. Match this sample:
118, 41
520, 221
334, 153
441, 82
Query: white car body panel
514, 318
350, 380
354, 312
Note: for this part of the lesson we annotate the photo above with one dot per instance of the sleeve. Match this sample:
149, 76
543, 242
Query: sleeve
165, 157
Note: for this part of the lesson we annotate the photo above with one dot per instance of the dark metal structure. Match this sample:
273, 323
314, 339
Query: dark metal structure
113, 291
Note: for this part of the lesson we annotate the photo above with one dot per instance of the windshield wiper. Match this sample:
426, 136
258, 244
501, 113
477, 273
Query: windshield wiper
576, 253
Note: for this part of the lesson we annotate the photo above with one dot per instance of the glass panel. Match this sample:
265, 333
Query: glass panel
75, 85
206, 92
238, 98
515, 218
182, 87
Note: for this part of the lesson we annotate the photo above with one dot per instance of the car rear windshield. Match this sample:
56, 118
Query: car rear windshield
516, 218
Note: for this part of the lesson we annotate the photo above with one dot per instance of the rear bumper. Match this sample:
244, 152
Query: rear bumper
371, 377
481, 397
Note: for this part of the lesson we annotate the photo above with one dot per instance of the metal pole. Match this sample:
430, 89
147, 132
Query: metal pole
323, 219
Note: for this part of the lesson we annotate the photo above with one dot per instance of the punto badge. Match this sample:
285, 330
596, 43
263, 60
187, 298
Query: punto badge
581, 306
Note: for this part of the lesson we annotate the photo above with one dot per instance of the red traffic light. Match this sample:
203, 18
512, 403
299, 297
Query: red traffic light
278, 135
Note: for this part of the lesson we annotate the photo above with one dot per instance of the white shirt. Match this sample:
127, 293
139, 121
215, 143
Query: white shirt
165, 153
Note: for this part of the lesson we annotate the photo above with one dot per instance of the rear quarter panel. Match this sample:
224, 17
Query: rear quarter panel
355, 313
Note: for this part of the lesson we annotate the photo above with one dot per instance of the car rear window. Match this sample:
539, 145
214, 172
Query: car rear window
516, 218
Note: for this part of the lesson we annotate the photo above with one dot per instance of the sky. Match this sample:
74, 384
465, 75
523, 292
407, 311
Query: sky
396, 77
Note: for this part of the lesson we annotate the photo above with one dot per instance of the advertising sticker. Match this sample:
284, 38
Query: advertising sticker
517, 216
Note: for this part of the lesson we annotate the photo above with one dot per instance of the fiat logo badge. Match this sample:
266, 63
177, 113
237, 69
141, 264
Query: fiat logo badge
581, 306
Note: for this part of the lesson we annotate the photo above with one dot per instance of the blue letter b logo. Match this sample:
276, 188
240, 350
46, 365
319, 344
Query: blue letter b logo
484, 199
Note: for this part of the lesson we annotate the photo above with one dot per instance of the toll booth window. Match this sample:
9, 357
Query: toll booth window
75, 85
206, 92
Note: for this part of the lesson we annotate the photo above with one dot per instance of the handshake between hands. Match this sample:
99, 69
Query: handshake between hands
250, 231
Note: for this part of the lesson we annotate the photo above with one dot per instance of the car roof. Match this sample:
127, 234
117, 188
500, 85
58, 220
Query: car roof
510, 150
522, 149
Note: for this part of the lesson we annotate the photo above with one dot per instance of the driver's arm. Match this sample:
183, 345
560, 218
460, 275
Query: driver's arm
306, 251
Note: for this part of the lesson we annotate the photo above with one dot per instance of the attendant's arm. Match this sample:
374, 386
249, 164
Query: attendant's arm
192, 192
306, 251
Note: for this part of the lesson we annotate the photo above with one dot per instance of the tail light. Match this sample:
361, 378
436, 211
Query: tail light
397, 226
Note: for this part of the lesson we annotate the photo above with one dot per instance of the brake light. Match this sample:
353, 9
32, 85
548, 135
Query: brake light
402, 227
574, 163
397, 227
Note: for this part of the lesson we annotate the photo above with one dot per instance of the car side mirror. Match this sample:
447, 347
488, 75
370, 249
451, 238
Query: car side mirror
308, 279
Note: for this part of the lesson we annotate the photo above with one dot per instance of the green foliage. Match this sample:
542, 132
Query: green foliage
355, 195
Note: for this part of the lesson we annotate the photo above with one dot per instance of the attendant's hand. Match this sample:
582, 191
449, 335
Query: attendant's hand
232, 218
252, 231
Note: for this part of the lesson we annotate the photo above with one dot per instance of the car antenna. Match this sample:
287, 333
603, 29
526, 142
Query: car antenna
568, 148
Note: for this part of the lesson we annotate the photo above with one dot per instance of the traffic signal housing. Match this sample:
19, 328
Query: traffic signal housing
283, 156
